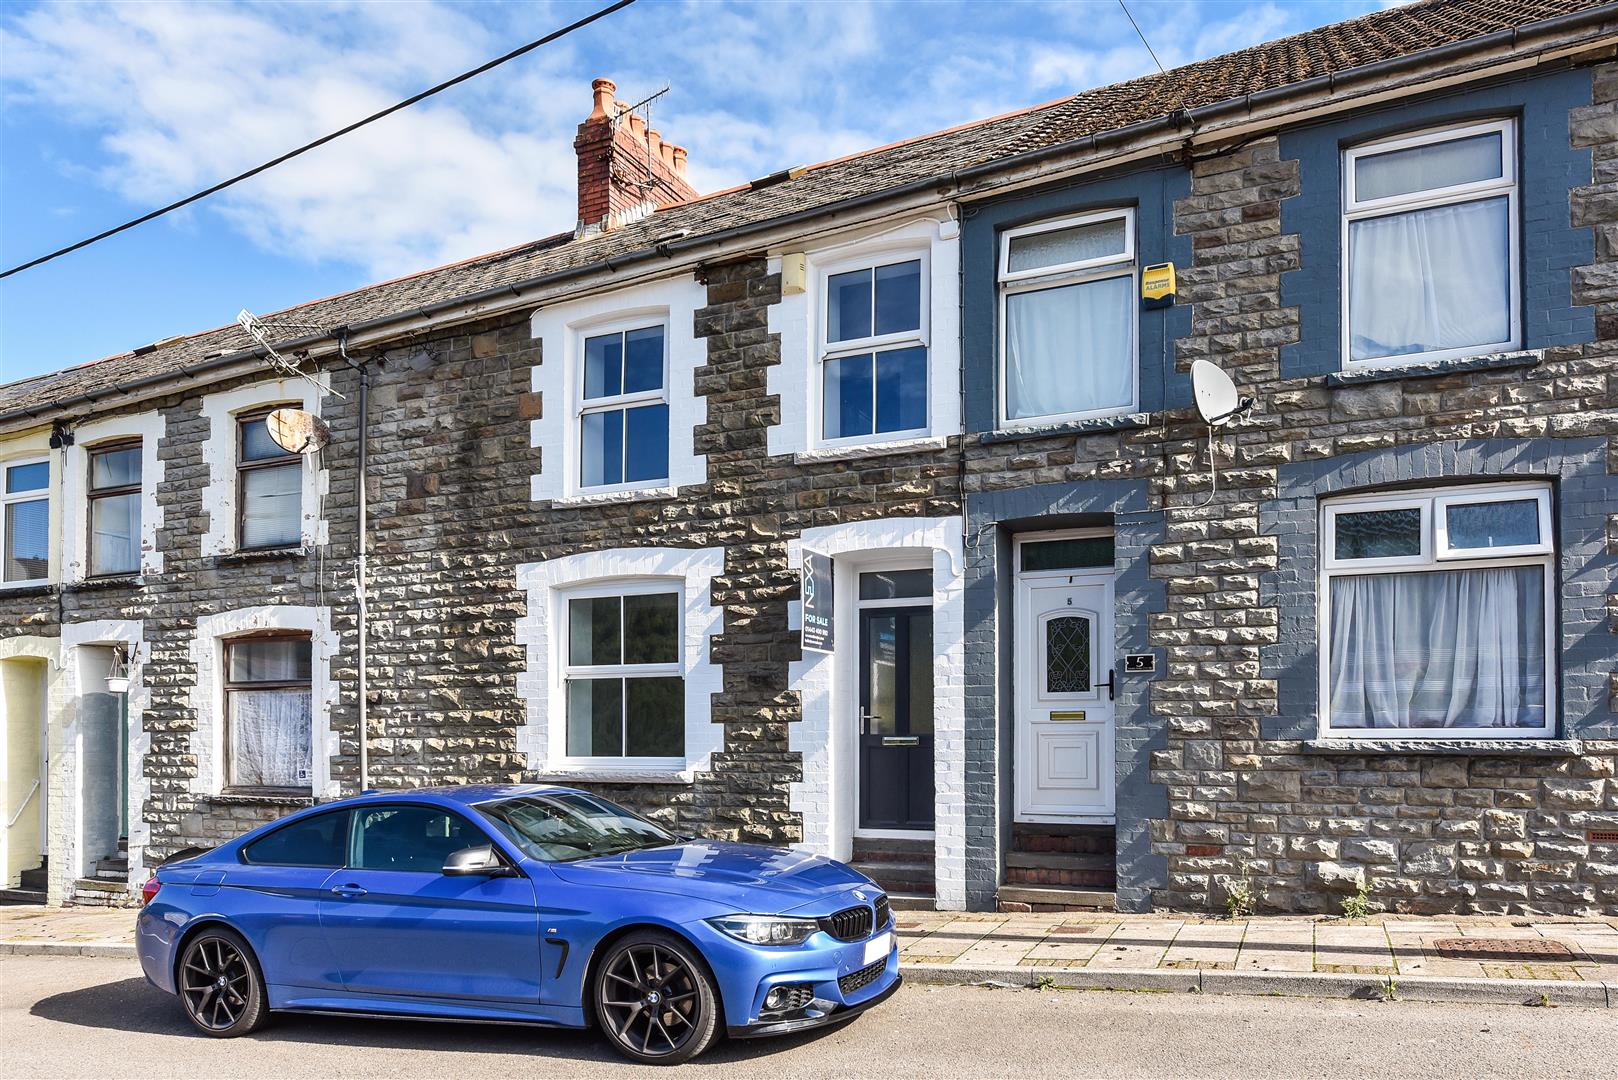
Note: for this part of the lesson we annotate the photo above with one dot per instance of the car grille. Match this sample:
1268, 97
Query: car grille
850, 924
865, 976
882, 912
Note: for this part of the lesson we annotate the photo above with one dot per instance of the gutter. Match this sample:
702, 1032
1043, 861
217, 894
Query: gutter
1547, 30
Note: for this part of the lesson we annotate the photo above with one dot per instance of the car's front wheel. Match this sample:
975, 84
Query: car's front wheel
655, 1000
221, 985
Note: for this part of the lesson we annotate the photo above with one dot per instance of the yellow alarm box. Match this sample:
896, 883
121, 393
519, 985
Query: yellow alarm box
1157, 283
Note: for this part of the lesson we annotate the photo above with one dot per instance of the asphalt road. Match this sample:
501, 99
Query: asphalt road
62, 1017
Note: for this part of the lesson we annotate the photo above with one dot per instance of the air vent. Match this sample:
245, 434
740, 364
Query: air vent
1602, 836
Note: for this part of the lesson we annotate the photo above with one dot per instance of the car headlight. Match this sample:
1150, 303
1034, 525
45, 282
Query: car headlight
766, 929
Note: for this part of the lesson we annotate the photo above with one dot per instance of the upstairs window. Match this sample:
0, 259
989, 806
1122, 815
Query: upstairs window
624, 677
268, 720
1438, 613
1067, 319
1430, 224
623, 410
269, 492
114, 497
874, 354
26, 502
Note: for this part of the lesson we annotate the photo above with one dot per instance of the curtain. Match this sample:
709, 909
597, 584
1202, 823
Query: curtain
1069, 349
1430, 279
270, 735
1439, 649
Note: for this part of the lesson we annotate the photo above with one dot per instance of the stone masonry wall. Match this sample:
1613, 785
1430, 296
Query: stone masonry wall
451, 518
1478, 831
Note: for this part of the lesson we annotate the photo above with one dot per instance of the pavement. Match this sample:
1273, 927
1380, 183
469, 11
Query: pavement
83, 1017
1511, 960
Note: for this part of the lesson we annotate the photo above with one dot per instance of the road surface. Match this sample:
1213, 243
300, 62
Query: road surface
69, 1017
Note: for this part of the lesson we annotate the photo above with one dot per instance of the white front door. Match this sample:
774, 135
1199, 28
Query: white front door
1064, 734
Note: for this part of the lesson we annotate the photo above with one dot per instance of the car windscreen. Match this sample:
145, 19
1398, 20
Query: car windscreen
567, 826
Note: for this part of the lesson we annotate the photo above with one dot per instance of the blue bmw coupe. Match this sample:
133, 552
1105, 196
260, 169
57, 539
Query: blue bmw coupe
520, 904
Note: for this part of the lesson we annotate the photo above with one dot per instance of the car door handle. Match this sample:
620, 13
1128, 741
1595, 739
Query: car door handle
348, 890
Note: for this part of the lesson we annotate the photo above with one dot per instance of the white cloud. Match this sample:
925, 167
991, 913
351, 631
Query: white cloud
183, 95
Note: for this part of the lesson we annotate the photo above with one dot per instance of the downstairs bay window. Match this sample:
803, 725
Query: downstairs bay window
1437, 614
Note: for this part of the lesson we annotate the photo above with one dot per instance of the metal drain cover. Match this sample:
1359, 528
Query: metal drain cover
1503, 950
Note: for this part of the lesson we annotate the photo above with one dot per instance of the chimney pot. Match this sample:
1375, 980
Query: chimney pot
637, 125
654, 139
603, 89
679, 155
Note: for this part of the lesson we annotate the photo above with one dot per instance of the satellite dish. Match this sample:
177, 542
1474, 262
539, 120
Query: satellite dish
297, 431
1217, 399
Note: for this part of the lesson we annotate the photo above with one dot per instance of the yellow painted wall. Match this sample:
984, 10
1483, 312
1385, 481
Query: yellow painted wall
22, 715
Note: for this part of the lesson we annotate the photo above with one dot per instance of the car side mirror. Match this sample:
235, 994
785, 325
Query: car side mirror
475, 862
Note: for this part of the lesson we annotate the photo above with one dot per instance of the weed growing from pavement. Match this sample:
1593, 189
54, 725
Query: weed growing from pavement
1239, 898
1358, 905
1390, 989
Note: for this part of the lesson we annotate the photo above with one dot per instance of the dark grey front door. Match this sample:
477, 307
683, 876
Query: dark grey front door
896, 718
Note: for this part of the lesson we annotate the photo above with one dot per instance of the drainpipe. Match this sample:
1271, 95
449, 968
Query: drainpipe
361, 582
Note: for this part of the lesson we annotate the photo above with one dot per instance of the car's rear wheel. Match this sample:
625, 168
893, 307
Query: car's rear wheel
221, 985
655, 999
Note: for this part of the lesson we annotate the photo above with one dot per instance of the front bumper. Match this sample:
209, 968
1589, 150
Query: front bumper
840, 1014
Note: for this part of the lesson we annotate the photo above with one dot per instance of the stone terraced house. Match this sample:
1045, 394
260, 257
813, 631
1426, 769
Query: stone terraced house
916, 408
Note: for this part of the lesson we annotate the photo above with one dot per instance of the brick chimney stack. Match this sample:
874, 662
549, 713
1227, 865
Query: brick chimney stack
625, 170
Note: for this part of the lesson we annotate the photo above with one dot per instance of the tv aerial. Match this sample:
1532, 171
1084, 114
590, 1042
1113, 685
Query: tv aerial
1218, 403
261, 333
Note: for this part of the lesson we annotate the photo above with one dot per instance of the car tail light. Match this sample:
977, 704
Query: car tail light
148, 891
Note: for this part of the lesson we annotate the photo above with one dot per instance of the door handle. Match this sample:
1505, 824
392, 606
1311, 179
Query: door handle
865, 721
1111, 685
348, 890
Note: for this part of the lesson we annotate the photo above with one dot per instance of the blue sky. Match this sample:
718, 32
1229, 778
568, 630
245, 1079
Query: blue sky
109, 110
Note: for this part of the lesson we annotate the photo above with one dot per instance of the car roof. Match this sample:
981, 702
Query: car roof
457, 794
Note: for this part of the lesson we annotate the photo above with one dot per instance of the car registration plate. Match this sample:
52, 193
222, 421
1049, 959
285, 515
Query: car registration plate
878, 947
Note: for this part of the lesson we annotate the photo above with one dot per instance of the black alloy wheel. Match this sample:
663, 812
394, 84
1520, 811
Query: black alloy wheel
655, 999
220, 985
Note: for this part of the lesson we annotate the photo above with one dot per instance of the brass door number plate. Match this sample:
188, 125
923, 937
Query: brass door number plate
1077, 714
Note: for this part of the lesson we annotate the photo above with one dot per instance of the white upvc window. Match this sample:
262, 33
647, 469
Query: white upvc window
1437, 614
872, 345
1430, 226
25, 506
1068, 339
622, 411
623, 675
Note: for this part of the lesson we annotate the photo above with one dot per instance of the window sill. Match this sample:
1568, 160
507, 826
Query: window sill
1125, 422
110, 581
1431, 368
27, 588
1447, 747
608, 774
875, 449
260, 798
604, 498
229, 558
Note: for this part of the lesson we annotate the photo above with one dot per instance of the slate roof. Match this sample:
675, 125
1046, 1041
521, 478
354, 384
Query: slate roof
1326, 50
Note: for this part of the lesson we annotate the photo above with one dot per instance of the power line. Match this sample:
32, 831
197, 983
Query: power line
1138, 34
324, 139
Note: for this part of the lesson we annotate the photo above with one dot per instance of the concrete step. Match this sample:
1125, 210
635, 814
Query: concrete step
1059, 860
35, 878
90, 884
22, 896
111, 873
1043, 898
898, 876
902, 901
